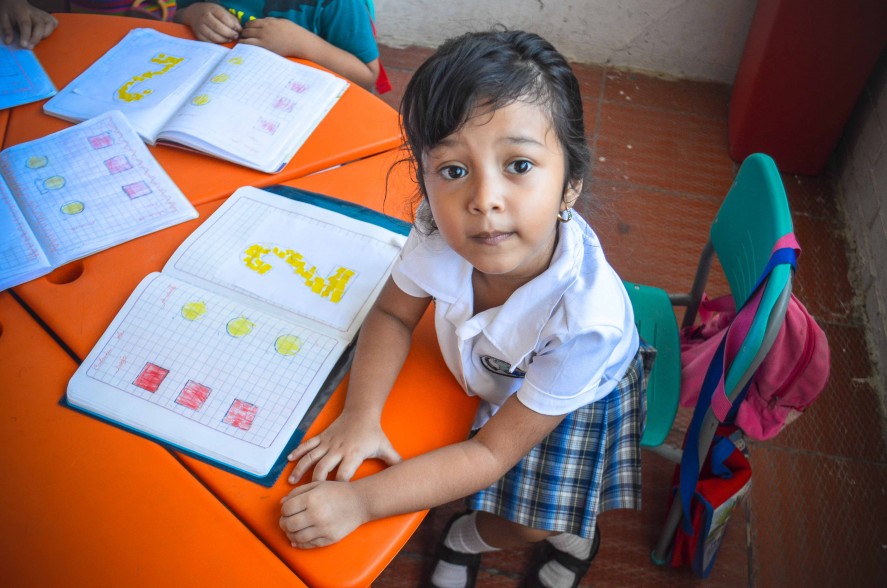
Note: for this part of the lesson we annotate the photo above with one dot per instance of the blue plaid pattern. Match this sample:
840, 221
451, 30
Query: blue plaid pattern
589, 464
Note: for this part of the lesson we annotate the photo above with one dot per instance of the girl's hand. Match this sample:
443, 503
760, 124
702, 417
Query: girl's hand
32, 24
345, 444
210, 22
279, 35
321, 513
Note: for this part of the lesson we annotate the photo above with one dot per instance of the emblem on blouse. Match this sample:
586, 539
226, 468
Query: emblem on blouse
497, 366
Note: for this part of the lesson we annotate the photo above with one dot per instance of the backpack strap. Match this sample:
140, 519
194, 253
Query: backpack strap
713, 393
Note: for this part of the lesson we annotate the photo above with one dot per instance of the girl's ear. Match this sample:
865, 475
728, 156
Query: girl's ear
571, 194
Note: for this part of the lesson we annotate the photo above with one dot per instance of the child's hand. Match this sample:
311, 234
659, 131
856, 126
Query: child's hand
346, 443
321, 513
279, 35
210, 22
32, 24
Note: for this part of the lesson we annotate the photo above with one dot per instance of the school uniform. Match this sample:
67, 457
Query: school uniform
565, 343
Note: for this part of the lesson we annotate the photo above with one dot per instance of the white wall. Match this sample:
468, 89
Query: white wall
696, 39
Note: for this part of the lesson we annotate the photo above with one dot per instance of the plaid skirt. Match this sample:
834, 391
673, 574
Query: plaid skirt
589, 464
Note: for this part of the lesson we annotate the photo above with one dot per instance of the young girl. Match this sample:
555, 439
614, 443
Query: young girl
529, 316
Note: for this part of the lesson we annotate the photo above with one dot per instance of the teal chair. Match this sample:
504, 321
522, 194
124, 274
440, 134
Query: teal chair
753, 216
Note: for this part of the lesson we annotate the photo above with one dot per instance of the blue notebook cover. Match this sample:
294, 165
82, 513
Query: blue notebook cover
335, 376
22, 78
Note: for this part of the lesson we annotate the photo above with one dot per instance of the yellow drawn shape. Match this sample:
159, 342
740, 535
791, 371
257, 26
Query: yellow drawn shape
288, 345
194, 310
236, 60
332, 287
222, 77
167, 62
200, 100
73, 207
240, 327
54, 183
37, 161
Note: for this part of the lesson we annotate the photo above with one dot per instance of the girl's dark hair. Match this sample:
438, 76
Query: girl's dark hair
491, 70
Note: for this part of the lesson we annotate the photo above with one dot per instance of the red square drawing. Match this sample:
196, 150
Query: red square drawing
266, 125
101, 141
193, 395
151, 377
241, 414
117, 164
137, 190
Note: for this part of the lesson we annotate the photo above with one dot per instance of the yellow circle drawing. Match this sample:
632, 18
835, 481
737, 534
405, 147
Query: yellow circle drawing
73, 207
200, 100
288, 345
236, 60
240, 327
54, 183
194, 310
222, 77
37, 161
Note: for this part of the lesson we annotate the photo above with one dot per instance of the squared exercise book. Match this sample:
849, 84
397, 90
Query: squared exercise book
246, 104
246, 330
79, 191
22, 77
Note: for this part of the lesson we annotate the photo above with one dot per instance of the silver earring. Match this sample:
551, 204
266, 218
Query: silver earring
565, 218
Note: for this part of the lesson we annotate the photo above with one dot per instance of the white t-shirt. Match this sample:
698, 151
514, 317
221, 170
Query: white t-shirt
561, 341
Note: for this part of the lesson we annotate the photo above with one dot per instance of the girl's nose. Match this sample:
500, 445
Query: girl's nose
487, 194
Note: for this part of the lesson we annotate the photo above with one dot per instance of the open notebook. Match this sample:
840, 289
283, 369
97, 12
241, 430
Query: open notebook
250, 322
78, 191
246, 104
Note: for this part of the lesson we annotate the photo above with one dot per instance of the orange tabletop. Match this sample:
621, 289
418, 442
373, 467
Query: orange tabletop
4, 119
426, 408
83, 503
359, 125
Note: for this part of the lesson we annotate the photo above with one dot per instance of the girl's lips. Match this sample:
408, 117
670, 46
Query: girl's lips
491, 238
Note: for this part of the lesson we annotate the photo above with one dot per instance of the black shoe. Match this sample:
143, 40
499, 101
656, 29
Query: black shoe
471, 561
547, 552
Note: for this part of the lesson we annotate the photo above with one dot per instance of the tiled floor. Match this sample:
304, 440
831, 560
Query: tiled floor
817, 515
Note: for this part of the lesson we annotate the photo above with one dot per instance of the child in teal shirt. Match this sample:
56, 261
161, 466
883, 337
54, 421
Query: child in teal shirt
335, 34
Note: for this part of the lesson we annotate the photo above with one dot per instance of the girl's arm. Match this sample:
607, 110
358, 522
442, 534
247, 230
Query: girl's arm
356, 435
286, 38
322, 513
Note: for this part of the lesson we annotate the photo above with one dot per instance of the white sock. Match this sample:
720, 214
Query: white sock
464, 538
553, 574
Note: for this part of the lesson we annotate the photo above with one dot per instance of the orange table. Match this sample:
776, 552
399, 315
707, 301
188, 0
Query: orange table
426, 407
359, 125
83, 503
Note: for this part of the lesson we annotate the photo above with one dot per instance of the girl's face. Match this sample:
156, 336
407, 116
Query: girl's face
495, 188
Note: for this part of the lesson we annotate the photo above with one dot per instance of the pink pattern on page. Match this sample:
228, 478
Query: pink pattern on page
193, 395
241, 414
117, 164
101, 141
151, 377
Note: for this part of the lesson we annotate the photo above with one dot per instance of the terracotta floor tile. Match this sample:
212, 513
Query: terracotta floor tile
653, 237
702, 98
817, 520
661, 149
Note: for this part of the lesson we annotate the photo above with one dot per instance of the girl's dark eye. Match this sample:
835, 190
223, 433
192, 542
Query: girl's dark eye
520, 166
454, 172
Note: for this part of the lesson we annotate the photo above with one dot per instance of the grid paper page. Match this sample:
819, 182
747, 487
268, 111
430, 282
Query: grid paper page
254, 102
212, 362
91, 186
21, 257
242, 240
